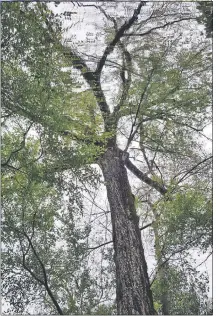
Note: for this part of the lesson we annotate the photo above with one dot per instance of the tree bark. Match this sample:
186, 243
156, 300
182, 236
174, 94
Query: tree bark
133, 292
162, 269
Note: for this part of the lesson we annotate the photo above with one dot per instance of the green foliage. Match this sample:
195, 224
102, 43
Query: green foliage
34, 207
157, 306
185, 289
38, 84
39, 103
186, 220
103, 309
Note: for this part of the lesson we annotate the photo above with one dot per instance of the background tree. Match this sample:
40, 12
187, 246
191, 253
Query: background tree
206, 16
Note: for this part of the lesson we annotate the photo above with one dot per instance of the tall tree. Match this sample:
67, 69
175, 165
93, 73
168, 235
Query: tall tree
165, 88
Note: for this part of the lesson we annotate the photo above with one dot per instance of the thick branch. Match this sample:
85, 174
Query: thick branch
143, 177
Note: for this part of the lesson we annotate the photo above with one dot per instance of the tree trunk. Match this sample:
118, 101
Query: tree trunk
133, 292
162, 272
164, 294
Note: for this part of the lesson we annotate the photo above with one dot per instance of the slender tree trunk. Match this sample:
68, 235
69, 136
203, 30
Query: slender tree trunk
162, 272
164, 293
133, 292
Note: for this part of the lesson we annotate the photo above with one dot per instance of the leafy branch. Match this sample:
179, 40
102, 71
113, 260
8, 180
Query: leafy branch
44, 282
159, 27
22, 145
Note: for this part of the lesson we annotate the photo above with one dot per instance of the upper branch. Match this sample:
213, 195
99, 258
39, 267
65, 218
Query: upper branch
127, 65
132, 132
118, 36
126, 82
158, 27
193, 168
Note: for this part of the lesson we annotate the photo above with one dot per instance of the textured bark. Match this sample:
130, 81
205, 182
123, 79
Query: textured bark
133, 292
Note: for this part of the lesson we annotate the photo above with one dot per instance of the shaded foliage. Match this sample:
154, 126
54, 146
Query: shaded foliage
206, 16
